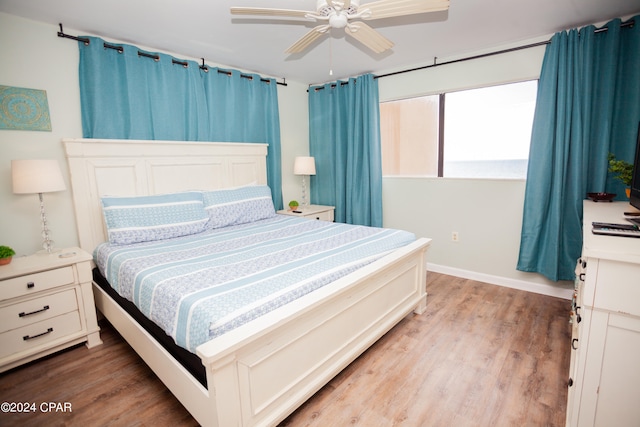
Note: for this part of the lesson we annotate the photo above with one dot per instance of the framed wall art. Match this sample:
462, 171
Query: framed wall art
24, 109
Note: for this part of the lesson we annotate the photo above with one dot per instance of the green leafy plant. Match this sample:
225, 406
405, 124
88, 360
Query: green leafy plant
620, 169
6, 252
293, 204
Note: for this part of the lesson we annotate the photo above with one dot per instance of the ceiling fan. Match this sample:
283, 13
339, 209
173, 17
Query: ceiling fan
343, 13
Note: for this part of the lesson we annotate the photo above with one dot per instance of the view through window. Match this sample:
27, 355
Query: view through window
485, 133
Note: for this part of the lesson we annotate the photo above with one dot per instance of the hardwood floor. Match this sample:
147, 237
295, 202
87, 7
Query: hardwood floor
481, 355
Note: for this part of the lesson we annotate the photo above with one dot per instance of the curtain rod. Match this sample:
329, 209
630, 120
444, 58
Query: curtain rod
156, 58
468, 58
333, 85
629, 23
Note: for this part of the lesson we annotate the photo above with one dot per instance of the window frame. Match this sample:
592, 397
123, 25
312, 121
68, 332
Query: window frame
441, 143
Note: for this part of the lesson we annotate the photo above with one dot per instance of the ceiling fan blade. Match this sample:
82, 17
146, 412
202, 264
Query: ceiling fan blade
269, 12
307, 39
390, 8
368, 37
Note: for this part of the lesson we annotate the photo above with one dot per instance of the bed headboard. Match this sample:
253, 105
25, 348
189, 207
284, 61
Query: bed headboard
100, 167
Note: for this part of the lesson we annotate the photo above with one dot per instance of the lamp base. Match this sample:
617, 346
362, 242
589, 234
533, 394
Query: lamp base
304, 203
47, 243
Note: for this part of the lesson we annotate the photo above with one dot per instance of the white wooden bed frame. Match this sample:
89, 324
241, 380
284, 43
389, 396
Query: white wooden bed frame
261, 372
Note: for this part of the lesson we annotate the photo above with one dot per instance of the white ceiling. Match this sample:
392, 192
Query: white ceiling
206, 29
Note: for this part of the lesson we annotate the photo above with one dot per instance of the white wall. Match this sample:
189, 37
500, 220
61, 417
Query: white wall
33, 56
486, 213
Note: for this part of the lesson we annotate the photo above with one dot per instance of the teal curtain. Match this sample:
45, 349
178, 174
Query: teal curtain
344, 138
127, 94
588, 105
244, 108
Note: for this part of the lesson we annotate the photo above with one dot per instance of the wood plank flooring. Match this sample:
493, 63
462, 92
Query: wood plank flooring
481, 355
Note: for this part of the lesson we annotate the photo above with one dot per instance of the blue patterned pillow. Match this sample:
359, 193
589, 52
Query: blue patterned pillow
147, 218
238, 205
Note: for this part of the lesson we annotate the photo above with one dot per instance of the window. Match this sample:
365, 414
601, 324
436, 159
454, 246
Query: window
478, 133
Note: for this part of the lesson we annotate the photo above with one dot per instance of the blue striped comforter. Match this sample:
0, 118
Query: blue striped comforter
198, 287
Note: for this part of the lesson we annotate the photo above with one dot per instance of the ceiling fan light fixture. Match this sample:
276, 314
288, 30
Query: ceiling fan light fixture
338, 20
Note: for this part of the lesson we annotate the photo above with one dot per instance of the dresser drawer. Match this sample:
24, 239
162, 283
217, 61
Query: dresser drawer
617, 287
37, 309
32, 283
39, 333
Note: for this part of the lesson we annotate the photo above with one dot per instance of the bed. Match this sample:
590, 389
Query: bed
262, 369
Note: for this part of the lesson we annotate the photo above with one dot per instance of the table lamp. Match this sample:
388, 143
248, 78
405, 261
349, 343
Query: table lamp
37, 177
304, 166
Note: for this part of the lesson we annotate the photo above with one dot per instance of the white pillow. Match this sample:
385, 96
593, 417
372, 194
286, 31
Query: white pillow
148, 218
238, 205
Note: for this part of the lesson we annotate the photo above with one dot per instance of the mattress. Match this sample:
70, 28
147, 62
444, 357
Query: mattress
200, 286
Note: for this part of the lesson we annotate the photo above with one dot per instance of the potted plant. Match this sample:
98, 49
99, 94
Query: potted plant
293, 205
621, 170
6, 253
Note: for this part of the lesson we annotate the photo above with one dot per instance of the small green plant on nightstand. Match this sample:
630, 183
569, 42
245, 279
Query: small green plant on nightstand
6, 253
293, 205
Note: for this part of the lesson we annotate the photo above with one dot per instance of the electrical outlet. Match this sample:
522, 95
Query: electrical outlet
454, 236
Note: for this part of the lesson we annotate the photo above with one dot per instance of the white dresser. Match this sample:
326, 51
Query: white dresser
46, 304
604, 380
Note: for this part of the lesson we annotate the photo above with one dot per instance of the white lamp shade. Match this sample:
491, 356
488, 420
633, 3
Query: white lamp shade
36, 176
304, 166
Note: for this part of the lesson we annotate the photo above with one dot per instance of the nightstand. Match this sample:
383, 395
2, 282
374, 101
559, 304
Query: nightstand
322, 213
46, 305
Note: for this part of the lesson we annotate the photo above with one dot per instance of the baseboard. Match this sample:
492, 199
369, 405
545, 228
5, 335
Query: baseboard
538, 288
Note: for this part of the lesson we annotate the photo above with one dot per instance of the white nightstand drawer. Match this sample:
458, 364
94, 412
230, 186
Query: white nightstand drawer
27, 337
38, 309
31, 283
322, 216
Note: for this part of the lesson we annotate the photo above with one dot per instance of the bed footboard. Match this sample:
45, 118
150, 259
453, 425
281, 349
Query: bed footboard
261, 372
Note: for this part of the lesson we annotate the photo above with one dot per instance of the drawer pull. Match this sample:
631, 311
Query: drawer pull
578, 317
31, 285
27, 337
573, 342
23, 314
581, 277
